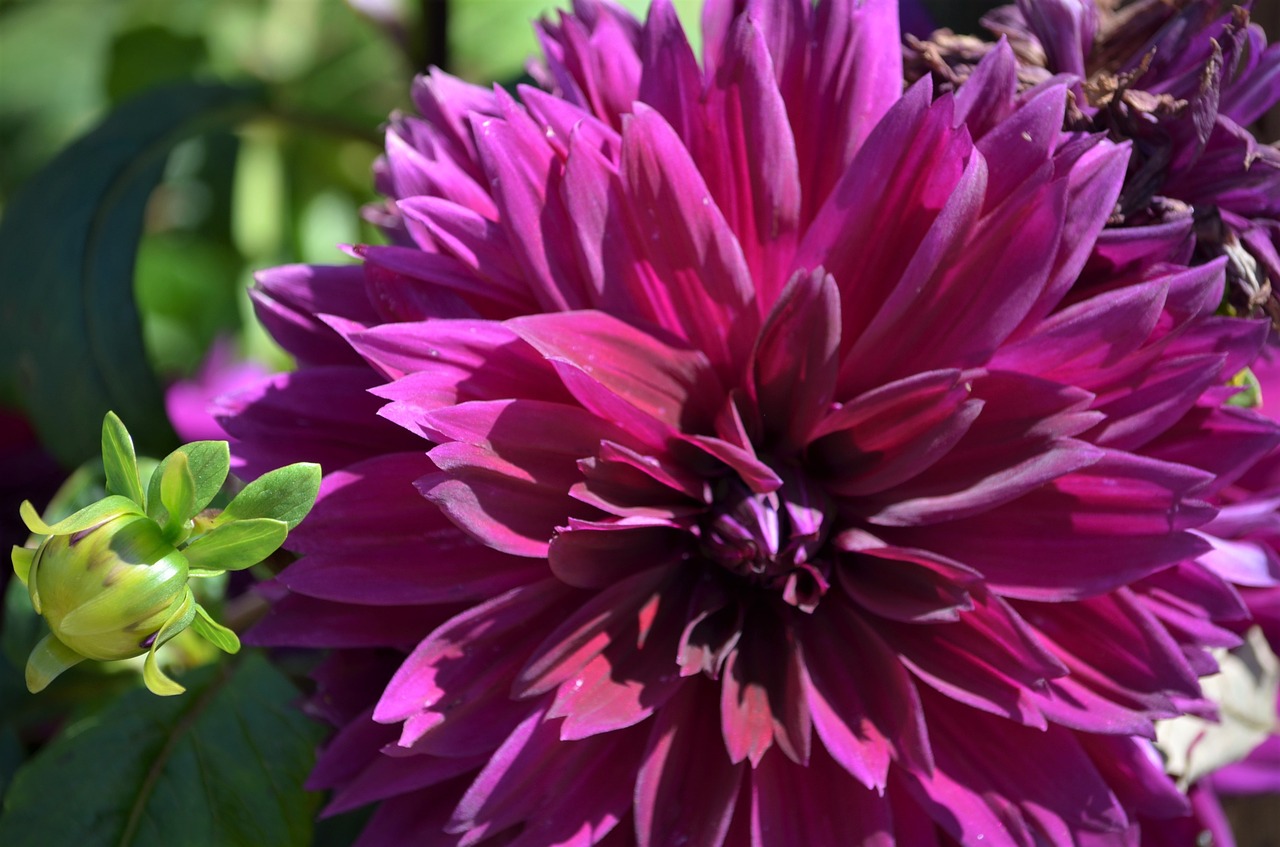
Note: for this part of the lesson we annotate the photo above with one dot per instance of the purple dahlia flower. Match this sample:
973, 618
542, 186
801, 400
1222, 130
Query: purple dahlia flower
736, 453
1182, 80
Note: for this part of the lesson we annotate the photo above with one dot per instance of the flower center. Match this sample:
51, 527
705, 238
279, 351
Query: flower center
773, 540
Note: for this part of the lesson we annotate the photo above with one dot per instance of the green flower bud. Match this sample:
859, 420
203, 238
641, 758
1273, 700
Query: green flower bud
111, 580
107, 591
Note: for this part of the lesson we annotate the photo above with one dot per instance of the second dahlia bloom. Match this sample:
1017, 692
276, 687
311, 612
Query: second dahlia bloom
1182, 80
724, 453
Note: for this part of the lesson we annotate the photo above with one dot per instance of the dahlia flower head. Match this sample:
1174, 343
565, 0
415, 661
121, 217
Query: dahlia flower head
1182, 79
748, 451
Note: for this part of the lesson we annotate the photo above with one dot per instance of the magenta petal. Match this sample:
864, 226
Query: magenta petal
760, 695
794, 382
525, 174
1132, 768
990, 99
1022, 794
866, 713
853, 80
753, 147
990, 659
940, 498
1093, 184
1113, 522
453, 690
632, 678
389, 777
793, 805
289, 300
593, 776
361, 539
1023, 143
892, 433
500, 503
908, 585
1087, 336
597, 555
301, 621
688, 242
623, 607
627, 483
412, 819
415, 280
610, 260
674, 386
687, 788
529, 432
322, 415
1150, 659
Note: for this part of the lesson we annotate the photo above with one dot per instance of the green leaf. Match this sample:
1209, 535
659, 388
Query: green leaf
285, 494
91, 515
236, 545
213, 632
119, 461
223, 765
70, 342
210, 461
207, 462
177, 493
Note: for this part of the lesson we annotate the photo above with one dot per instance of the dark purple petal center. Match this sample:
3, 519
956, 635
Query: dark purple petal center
774, 539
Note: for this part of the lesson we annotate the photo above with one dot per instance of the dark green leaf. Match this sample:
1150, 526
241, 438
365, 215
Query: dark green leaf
285, 494
22, 628
149, 56
70, 341
11, 756
223, 764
